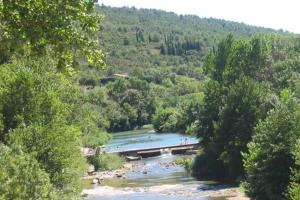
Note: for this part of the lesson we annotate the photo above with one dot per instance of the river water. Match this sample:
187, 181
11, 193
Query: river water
146, 139
152, 178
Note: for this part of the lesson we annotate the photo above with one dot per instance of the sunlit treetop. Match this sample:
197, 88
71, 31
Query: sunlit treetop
65, 28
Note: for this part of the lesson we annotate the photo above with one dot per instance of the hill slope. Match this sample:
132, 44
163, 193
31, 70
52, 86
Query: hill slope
147, 37
163, 54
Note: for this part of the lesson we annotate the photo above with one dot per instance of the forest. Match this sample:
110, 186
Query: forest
73, 72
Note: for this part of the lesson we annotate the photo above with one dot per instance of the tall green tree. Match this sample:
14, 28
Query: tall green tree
234, 102
243, 109
270, 159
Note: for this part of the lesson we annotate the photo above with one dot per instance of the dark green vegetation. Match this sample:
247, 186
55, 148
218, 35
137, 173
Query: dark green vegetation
271, 151
250, 117
42, 122
294, 187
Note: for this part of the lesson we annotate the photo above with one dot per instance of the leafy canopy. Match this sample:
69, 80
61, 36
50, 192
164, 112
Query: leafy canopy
67, 27
270, 159
21, 176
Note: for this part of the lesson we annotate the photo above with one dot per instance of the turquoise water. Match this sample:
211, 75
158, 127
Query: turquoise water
143, 139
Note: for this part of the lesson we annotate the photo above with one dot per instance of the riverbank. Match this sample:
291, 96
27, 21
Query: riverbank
229, 194
177, 191
115, 184
97, 177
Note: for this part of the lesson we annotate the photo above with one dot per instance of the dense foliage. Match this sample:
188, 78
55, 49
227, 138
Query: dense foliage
41, 121
246, 130
66, 29
183, 117
294, 187
146, 37
37, 115
125, 103
19, 171
270, 159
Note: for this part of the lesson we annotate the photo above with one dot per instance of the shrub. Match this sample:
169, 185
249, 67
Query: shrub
294, 187
187, 163
107, 161
21, 176
270, 159
208, 166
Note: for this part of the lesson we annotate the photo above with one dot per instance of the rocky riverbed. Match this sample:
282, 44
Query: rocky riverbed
154, 178
98, 177
172, 192
150, 180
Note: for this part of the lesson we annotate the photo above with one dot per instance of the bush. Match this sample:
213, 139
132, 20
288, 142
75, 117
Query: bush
208, 166
294, 188
21, 176
164, 119
107, 161
270, 159
57, 149
187, 163
95, 139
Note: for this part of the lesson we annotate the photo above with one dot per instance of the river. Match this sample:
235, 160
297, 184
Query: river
153, 178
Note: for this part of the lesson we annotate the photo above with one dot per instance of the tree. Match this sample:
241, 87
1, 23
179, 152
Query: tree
294, 186
245, 106
27, 97
38, 104
21, 176
38, 114
216, 63
235, 101
270, 159
57, 149
164, 119
227, 125
67, 27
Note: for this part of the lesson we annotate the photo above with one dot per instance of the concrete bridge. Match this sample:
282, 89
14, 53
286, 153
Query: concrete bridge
156, 151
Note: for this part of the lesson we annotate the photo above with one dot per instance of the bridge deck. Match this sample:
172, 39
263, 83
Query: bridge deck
181, 147
173, 149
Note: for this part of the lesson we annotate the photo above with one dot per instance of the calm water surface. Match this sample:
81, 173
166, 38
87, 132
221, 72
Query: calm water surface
144, 139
